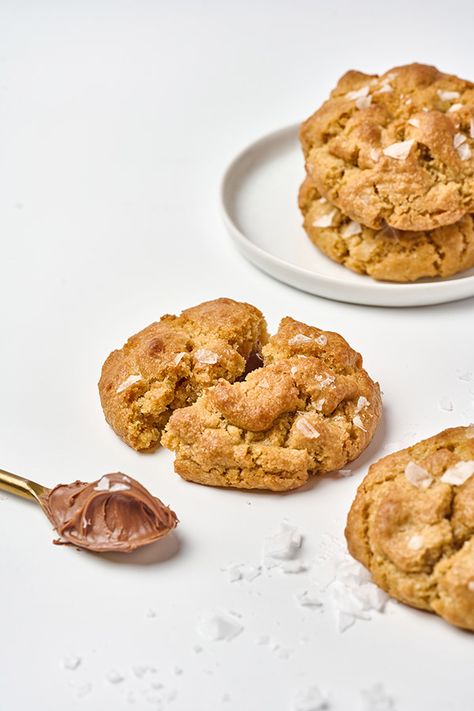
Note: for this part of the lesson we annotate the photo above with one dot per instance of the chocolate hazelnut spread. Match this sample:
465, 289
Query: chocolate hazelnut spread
115, 513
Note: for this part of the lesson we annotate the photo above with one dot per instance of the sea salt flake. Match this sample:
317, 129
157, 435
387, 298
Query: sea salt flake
358, 423
464, 151
400, 150
354, 596
351, 229
131, 380
374, 154
362, 402
324, 220
310, 699
293, 370
324, 380
206, 357
363, 102
418, 476
458, 473
103, 484
459, 139
281, 549
321, 340
357, 94
263, 383
299, 338
414, 122
319, 403
179, 357
385, 88
470, 586
448, 95
454, 107
306, 428
415, 543
446, 404
119, 487
322, 200
344, 472
217, 627
71, 663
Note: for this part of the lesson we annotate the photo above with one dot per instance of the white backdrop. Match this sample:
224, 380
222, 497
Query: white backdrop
117, 120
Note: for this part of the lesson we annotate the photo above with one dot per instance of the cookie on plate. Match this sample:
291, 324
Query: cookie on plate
169, 363
386, 254
412, 525
309, 410
396, 148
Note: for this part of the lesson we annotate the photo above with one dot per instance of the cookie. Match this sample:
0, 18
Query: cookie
309, 410
386, 254
396, 148
412, 525
169, 363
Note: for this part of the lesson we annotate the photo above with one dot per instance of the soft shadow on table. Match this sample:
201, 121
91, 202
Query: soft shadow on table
153, 554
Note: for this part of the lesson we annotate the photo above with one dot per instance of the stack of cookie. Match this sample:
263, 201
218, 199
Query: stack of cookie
389, 187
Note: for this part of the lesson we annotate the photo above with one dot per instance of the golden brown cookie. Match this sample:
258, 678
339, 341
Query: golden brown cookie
396, 148
412, 525
386, 254
169, 363
309, 410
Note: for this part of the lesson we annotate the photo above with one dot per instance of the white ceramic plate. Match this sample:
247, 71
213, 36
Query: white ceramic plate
259, 199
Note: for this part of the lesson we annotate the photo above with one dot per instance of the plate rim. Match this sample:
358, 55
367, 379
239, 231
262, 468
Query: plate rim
262, 256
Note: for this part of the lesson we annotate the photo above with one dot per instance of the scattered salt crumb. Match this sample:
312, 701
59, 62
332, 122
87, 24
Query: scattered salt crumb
463, 151
281, 549
414, 122
418, 476
293, 370
179, 357
322, 200
454, 107
83, 690
311, 597
218, 627
362, 403
324, 220
234, 573
351, 229
345, 472
319, 403
458, 473
306, 428
321, 340
242, 571
357, 421
400, 150
71, 663
151, 612
385, 88
142, 670
325, 379
363, 102
377, 699
354, 596
263, 383
446, 404
311, 699
206, 357
448, 95
467, 376
357, 93
415, 543
299, 338
374, 154
114, 677
131, 380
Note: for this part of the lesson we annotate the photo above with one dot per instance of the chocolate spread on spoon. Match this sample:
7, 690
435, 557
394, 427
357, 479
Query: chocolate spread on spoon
115, 513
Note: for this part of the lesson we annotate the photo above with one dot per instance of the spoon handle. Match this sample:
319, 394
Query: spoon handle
20, 486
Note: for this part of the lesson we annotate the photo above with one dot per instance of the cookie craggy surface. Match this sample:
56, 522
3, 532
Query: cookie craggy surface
309, 410
412, 525
396, 148
386, 254
169, 363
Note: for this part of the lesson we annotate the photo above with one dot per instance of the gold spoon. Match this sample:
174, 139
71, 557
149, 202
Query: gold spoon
26, 488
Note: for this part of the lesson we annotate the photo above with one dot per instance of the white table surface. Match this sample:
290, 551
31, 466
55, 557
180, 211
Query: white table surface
117, 120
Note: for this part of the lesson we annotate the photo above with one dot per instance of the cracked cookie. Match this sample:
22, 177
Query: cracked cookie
396, 148
309, 410
169, 363
412, 525
386, 254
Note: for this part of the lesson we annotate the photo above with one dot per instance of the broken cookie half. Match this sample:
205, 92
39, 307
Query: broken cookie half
309, 410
